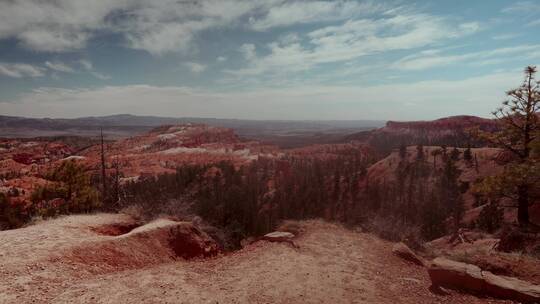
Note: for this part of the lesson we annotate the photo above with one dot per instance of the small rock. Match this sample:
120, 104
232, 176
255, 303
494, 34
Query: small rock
279, 236
456, 275
404, 252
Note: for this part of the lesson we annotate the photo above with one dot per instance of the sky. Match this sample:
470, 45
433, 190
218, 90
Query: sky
269, 59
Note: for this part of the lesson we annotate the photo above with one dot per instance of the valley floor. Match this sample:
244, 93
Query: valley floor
331, 265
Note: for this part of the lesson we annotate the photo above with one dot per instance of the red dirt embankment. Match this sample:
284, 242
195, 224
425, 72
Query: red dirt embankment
331, 265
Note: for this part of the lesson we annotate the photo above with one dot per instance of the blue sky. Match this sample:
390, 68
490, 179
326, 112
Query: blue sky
272, 59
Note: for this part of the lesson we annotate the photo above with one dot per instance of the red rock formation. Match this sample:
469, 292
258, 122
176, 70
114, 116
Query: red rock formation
447, 123
471, 278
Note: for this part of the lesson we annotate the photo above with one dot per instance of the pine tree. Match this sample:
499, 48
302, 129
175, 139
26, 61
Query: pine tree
435, 153
402, 151
467, 154
450, 193
454, 155
520, 128
420, 152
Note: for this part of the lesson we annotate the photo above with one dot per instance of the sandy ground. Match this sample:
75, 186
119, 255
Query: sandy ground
332, 265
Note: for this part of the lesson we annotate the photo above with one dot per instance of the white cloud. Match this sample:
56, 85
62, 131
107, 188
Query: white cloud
53, 41
20, 70
423, 61
221, 59
505, 36
53, 26
99, 75
420, 100
163, 38
426, 62
534, 23
351, 40
289, 38
59, 67
289, 13
528, 11
154, 26
248, 51
522, 7
89, 67
86, 64
469, 27
163, 26
196, 67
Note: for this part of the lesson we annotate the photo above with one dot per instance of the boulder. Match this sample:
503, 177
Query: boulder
471, 278
280, 236
456, 275
510, 288
188, 241
403, 251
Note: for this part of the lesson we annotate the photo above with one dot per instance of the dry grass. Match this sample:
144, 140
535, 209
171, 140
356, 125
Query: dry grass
135, 211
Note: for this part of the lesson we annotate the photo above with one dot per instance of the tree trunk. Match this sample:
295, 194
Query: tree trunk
103, 173
523, 205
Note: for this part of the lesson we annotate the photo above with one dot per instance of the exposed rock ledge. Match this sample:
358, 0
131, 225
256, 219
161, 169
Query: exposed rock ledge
471, 278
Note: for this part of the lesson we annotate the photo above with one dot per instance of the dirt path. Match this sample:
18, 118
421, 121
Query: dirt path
332, 265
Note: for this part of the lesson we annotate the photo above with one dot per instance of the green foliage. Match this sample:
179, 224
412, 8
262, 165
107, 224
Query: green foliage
535, 145
432, 219
505, 185
11, 215
450, 191
71, 183
253, 199
467, 154
454, 155
420, 152
520, 122
490, 218
402, 151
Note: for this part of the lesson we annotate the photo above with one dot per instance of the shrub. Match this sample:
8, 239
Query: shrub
490, 218
11, 215
512, 240
390, 228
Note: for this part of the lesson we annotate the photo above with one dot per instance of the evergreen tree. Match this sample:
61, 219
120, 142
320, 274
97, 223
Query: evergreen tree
454, 155
402, 151
467, 154
420, 152
450, 192
490, 218
520, 128
435, 153
432, 218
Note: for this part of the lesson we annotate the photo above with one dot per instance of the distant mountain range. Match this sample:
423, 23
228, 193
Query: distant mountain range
281, 132
284, 133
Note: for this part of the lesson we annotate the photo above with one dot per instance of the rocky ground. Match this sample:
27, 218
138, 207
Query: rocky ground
331, 265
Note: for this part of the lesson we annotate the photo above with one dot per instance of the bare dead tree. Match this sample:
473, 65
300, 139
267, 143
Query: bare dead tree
103, 171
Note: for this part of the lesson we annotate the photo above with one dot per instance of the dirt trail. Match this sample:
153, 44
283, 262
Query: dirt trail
332, 265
